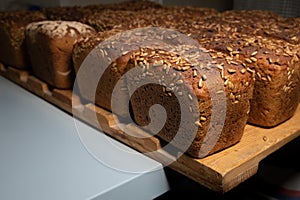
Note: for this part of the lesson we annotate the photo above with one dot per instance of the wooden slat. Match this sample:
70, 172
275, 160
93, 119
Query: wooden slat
219, 172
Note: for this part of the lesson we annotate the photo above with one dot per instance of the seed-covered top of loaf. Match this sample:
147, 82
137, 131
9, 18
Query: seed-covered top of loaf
244, 15
122, 6
173, 16
20, 17
168, 17
191, 11
224, 37
266, 57
177, 71
133, 5
109, 19
84, 45
67, 13
60, 29
261, 23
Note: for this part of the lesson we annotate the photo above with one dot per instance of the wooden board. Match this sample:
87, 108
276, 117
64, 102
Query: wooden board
219, 172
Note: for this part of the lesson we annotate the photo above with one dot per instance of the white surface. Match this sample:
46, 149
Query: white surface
43, 158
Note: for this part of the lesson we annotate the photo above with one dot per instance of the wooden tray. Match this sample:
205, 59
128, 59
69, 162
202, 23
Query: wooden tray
219, 172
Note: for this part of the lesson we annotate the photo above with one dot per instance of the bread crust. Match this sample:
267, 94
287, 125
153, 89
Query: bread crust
50, 45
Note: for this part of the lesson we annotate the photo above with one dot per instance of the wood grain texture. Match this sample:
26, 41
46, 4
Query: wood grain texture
219, 172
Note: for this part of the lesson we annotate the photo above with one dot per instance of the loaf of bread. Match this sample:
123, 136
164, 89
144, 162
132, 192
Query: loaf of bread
50, 45
179, 78
275, 62
12, 33
110, 77
238, 85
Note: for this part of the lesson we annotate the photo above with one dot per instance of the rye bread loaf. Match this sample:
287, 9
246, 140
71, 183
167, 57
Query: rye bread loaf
50, 45
12, 34
238, 84
275, 62
107, 82
238, 88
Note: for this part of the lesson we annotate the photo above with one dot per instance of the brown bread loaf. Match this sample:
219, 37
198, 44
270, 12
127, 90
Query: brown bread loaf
238, 88
238, 84
103, 93
50, 45
275, 61
12, 33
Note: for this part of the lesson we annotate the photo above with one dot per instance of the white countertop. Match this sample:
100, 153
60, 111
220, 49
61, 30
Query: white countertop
42, 156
